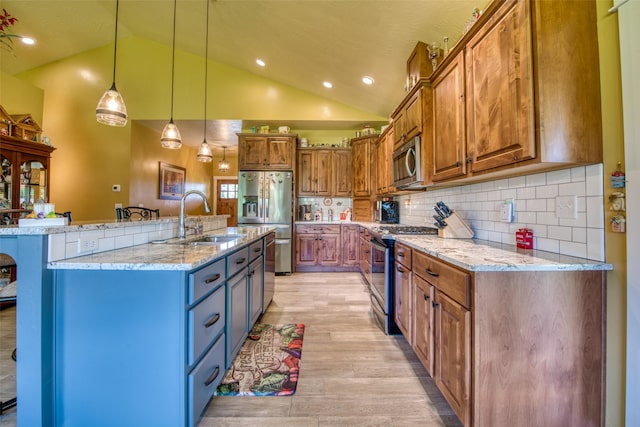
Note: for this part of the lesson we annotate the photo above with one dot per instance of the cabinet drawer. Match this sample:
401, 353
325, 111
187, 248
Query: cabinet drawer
403, 255
206, 320
206, 279
318, 229
237, 261
255, 250
453, 282
204, 379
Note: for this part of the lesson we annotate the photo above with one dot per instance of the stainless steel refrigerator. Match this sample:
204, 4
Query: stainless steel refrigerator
266, 197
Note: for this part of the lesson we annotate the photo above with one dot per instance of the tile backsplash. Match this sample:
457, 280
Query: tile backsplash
535, 208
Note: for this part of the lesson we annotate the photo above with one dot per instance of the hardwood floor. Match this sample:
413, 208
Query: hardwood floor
351, 374
7, 365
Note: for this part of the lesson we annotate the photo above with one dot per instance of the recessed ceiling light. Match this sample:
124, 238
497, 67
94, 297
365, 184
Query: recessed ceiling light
260, 62
328, 85
28, 40
367, 80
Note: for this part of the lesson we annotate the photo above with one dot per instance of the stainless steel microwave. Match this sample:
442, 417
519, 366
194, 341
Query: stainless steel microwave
406, 165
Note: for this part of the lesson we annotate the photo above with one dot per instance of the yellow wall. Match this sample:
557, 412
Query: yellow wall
91, 157
18, 96
613, 152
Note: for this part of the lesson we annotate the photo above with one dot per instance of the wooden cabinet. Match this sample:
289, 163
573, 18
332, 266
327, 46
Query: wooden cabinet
324, 172
365, 253
512, 99
361, 153
449, 126
384, 162
403, 291
341, 173
317, 246
266, 152
407, 119
350, 241
500, 101
424, 322
363, 188
516, 338
24, 178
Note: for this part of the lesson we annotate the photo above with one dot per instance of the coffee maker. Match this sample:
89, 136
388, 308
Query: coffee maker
304, 213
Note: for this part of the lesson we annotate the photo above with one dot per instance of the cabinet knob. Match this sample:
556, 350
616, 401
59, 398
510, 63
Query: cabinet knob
434, 304
426, 297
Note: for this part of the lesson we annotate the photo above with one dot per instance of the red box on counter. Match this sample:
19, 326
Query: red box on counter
524, 238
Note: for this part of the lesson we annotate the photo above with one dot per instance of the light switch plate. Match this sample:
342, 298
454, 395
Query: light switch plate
567, 207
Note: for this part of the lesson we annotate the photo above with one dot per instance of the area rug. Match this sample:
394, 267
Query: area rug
268, 363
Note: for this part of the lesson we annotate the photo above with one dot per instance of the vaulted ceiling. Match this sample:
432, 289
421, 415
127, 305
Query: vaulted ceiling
303, 42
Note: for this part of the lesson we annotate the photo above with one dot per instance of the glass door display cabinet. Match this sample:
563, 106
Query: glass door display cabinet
24, 177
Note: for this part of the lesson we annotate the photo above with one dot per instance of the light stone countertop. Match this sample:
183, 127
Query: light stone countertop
165, 254
482, 255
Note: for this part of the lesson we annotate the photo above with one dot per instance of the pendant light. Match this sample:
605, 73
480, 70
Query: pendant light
223, 165
111, 109
170, 137
204, 153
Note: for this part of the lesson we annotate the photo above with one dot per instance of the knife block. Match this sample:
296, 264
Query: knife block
456, 228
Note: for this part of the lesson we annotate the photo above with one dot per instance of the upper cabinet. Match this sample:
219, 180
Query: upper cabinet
384, 162
520, 90
266, 152
324, 172
407, 119
500, 90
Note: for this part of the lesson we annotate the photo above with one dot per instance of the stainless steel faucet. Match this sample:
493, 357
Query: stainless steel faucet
181, 228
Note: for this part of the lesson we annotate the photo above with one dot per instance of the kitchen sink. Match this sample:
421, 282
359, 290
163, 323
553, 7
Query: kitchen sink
214, 239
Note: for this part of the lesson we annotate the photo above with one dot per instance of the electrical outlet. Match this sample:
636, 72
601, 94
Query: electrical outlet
506, 211
567, 207
118, 205
87, 244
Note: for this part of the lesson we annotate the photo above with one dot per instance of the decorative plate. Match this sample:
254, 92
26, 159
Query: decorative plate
327, 201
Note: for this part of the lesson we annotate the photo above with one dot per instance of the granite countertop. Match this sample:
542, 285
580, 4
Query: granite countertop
482, 255
164, 254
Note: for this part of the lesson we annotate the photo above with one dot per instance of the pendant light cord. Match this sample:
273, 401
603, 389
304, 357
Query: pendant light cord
206, 61
115, 44
173, 55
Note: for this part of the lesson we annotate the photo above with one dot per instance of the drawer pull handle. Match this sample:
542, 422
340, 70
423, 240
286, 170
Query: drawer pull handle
431, 273
213, 376
401, 254
212, 278
426, 297
400, 269
212, 320
257, 249
241, 261
435, 304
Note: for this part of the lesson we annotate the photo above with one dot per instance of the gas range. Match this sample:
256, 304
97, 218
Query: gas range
407, 230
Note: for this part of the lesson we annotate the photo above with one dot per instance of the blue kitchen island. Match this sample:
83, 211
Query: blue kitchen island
138, 335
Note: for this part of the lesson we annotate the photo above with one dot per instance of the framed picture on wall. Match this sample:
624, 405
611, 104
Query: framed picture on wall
171, 181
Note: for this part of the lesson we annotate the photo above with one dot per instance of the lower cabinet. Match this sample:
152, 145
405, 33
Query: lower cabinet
255, 276
543, 329
350, 245
403, 290
204, 379
238, 314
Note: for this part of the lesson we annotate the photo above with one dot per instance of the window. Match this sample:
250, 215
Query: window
228, 191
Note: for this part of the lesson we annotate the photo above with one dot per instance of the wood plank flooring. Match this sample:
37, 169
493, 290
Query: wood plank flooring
7, 365
351, 374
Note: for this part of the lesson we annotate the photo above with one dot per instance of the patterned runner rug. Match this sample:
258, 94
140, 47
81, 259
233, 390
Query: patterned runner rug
268, 363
